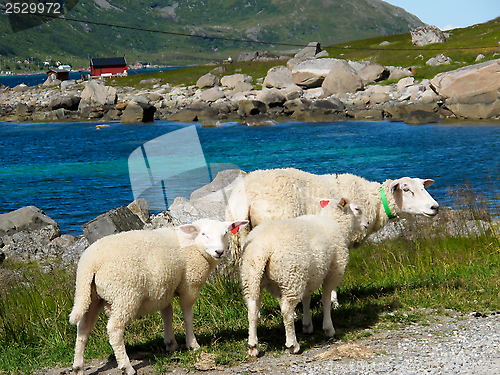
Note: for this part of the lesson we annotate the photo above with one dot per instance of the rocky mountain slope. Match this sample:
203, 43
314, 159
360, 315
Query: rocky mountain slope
290, 22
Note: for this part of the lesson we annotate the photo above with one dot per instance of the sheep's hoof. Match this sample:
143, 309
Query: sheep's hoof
78, 370
329, 332
128, 370
308, 328
253, 351
294, 349
172, 346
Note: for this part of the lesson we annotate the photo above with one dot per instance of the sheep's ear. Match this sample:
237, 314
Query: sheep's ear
394, 186
343, 203
235, 226
428, 182
323, 202
189, 228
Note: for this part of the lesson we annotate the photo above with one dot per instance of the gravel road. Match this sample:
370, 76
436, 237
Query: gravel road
440, 344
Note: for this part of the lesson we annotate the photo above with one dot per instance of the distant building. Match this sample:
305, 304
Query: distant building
60, 74
108, 67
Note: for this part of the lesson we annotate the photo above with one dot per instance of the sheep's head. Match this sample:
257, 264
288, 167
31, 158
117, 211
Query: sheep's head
348, 207
211, 235
411, 196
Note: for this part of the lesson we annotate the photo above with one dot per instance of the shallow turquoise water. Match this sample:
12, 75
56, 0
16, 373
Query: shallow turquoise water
74, 171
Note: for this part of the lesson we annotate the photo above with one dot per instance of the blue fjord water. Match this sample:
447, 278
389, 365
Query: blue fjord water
75, 171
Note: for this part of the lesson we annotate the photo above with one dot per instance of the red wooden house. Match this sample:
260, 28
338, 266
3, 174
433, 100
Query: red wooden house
108, 67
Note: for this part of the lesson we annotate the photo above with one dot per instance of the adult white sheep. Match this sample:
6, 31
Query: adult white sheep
136, 273
274, 194
292, 258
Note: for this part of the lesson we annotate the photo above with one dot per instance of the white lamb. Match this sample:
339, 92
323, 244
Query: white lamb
285, 193
292, 258
136, 273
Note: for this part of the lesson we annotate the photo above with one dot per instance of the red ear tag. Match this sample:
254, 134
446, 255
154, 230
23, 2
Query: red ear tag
324, 203
235, 230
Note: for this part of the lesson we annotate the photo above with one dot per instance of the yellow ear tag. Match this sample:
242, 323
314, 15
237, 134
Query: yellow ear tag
191, 229
342, 203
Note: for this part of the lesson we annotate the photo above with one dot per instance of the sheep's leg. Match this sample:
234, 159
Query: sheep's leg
167, 315
116, 329
335, 302
307, 326
327, 313
84, 328
187, 313
253, 318
288, 311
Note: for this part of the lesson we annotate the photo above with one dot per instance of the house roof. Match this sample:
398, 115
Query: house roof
108, 61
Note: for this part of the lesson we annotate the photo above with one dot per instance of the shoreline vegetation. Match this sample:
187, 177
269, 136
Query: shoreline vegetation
383, 78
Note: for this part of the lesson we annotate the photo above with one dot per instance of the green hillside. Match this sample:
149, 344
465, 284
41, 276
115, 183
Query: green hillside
290, 22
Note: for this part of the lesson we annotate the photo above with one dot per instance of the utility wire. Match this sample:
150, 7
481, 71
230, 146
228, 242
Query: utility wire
259, 42
172, 33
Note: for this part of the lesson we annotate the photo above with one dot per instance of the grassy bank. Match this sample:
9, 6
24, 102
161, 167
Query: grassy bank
398, 277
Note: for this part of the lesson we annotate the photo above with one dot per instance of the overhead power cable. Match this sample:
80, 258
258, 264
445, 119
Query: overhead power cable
260, 42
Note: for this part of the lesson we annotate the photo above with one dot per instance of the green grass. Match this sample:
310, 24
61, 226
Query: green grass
386, 284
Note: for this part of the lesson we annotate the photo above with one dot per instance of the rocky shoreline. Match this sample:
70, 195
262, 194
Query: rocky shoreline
310, 87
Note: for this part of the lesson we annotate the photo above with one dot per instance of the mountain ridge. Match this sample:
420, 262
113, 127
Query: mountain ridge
220, 21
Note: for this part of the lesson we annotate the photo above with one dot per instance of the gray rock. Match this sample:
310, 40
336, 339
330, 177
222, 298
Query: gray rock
251, 107
137, 113
20, 88
373, 73
425, 35
120, 219
27, 218
212, 94
398, 73
233, 79
214, 196
183, 212
312, 73
342, 78
472, 91
279, 77
69, 102
243, 87
140, 207
95, 95
439, 60
271, 97
311, 50
208, 80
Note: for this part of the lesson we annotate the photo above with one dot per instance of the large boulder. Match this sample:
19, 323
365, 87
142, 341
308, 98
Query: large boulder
69, 102
138, 112
120, 219
279, 77
213, 94
422, 36
271, 97
26, 233
214, 196
208, 80
311, 50
233, 79
312, 73
342, 78
472, 91
373, 73
248, 107
96, 95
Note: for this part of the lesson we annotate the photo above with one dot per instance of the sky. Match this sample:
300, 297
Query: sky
451, 14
